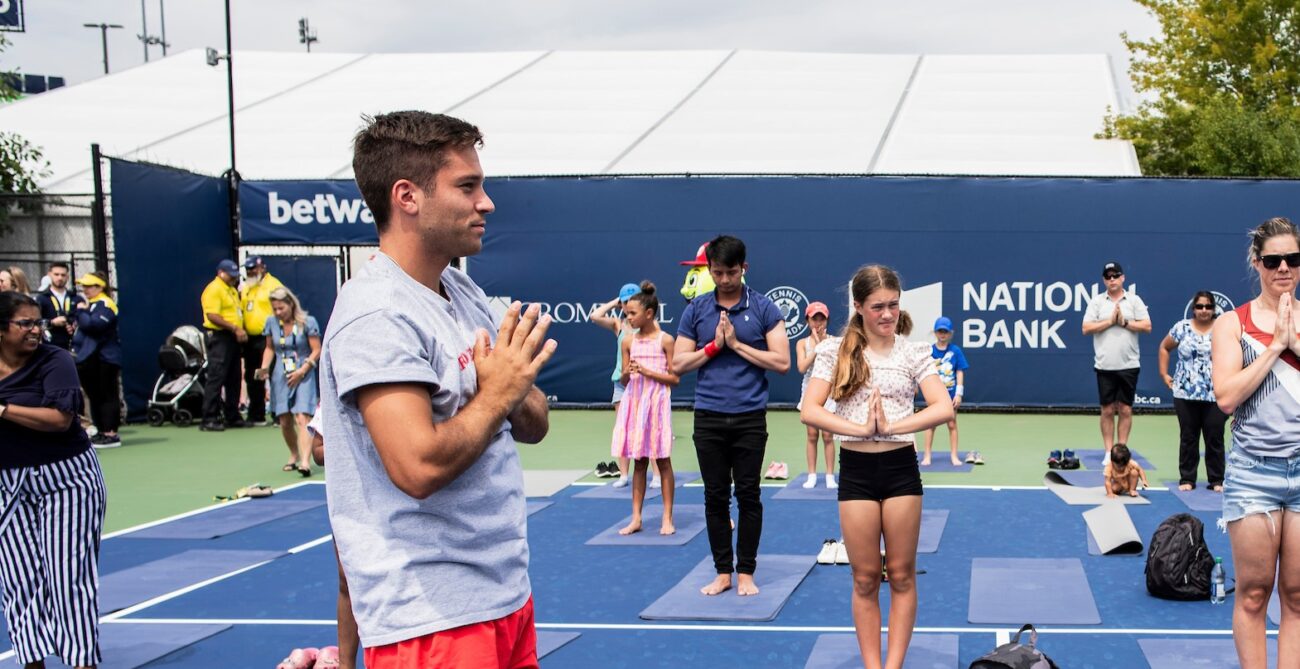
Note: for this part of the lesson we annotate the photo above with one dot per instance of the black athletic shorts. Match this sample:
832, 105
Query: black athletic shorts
879, 476
1118, 385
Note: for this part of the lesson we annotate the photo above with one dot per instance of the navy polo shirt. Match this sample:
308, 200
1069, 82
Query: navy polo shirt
728, 383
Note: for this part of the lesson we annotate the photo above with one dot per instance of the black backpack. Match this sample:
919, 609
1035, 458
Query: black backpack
1178, 561
1014, 655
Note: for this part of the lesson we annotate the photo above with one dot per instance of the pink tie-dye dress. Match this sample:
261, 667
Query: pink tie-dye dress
643, 427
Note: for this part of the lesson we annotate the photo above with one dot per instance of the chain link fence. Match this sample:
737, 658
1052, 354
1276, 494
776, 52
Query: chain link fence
39, 230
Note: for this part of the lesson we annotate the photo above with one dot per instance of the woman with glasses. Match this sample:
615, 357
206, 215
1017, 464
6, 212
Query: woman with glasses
51, 497
1193, 388
98, 351
1257, 379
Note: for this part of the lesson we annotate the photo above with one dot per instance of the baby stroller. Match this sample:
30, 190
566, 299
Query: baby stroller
178, 392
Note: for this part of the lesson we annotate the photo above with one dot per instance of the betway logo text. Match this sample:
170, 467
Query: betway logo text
322, 208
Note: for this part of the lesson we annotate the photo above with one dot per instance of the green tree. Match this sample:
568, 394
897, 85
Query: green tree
21, 163
1220, 84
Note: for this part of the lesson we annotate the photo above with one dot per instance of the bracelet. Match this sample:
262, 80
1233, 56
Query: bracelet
711, 349
961, 390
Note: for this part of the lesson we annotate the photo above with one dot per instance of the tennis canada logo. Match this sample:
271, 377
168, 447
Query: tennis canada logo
792, 303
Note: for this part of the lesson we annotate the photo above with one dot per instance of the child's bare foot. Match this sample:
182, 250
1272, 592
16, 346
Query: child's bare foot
745, 585
632, 527
668, 527
720, 584
925, 462
956, 461
1133, 493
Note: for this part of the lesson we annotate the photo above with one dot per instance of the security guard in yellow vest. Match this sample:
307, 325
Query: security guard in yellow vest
223, 319
255, 298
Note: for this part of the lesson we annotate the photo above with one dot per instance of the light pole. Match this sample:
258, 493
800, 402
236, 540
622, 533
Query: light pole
144, 36
162, 21
305, 34
232, 176
103, 37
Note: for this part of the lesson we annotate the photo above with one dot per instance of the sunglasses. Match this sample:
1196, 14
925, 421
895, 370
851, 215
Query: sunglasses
1203, 307
1275, 261
28, 324
1111, 275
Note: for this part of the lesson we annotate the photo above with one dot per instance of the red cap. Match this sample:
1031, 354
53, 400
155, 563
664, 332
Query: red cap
700, 258
817, 308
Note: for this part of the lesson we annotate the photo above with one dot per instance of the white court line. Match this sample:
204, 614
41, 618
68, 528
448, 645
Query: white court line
117, 615
952, 486
196, 512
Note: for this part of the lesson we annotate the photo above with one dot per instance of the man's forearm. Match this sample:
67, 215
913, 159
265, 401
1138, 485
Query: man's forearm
773, 361
530, 421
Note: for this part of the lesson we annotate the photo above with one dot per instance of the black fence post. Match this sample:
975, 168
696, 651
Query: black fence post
97, 218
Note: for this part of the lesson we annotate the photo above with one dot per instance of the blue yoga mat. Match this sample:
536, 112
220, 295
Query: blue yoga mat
1048, 591
1198, 499
535, 505
608, 491
777, 577
939, 464
128, 587
687, 518
1187, 653
794, 490
131, 645
1083, 478
549, 642
926, 651
1275, 608
932, 523
227, 519
1091, 458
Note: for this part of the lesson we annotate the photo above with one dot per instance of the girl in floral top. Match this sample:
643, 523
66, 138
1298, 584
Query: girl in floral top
1194, 394
873, 375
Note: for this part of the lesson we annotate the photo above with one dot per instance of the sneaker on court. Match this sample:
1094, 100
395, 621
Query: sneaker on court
831, 483
970, 457
979, 459
771, 470
101, 440
621, 482
841, 553
602, 470
212, 426
782, 471
827, 553
655, 483
1054, 460
811, 482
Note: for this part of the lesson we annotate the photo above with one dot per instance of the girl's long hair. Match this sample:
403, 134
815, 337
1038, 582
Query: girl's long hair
851, 368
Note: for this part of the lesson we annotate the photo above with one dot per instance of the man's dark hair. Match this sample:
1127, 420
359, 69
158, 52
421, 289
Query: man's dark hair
57, 263
726, 251
409, 145
1120, 455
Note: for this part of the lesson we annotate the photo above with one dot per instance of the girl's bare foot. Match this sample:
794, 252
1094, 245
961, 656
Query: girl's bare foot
667, 527
745, 585
1133, 493
925, 462
956, 461
632, 527
720, 584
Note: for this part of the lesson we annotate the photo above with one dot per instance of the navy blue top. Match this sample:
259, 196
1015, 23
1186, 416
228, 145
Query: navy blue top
97, 334
728, 383
49, 379
52, 307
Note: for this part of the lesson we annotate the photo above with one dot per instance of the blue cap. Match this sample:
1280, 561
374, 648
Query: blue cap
627, 291
229, 267
252, 261
943, 323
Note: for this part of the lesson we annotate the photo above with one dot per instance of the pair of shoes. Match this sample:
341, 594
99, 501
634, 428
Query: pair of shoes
777, 470
831, 483
970, 457
979, 459
212, 426
328, 658
811, 482
827, 554
101, 440
299, 658
603, 471
622, 482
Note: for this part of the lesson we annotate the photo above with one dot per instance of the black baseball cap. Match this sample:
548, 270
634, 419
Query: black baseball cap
1111, 267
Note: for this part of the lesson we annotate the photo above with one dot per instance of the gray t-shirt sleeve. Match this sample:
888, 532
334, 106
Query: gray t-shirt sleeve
380, 347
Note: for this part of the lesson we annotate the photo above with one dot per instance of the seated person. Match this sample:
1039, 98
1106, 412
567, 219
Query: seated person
1122, 474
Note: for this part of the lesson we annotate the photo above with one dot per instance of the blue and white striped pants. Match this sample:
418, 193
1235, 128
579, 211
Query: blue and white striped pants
50, 522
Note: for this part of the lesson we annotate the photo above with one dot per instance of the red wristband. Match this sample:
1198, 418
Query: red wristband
711, 349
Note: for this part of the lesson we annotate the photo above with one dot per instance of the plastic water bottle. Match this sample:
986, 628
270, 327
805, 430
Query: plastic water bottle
1218, 583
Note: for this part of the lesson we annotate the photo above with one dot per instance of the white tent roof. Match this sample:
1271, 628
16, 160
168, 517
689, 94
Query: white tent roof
600, 112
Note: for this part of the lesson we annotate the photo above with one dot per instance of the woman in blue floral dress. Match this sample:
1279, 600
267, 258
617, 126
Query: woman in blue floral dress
1194, 394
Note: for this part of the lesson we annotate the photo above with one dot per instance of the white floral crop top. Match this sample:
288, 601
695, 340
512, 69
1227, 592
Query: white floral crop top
898, 376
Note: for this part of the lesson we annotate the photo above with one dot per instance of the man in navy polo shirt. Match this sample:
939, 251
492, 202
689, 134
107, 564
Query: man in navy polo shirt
733, 335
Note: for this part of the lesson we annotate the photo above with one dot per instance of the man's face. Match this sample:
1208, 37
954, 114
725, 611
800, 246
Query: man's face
255, 272
453, 216
1114, 281
728, 278
229, 278
59, 277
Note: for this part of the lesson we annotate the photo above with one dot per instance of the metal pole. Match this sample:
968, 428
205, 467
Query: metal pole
234, 174
103, 40
144, 31
98, 220
162, 19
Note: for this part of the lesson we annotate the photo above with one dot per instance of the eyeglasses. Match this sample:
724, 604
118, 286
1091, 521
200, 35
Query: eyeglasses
1275, 261
1111, 275
28, 324
1203, 307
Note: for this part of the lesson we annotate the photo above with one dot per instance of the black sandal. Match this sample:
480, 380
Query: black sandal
305, 471
289, 466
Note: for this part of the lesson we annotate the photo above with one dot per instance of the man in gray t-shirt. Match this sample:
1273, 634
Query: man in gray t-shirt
1114, 319
424, 398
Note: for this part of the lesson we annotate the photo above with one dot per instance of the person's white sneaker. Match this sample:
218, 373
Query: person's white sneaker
655, 484
841, 553
811, 482
827, 553
621, 482
830, 482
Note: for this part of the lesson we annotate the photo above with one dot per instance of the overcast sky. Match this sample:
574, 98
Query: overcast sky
55, 42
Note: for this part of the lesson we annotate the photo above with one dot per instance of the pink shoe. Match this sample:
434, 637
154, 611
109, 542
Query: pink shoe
782, 471
772, 468
300, 658
328, 658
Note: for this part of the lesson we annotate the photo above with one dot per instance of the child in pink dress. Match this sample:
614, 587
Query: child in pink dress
643, 428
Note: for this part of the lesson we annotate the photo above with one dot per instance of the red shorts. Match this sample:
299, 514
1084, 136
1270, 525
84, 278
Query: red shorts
504, 643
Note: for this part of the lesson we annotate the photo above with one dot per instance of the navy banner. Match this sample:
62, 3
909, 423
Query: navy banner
11, 16
304, 212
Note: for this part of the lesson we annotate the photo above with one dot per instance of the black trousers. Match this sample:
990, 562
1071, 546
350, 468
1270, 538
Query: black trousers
252, 351
223, 375
730, 449
1197, 418
100, 381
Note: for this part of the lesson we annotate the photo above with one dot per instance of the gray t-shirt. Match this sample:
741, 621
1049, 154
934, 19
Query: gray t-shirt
1116, 348
460, 556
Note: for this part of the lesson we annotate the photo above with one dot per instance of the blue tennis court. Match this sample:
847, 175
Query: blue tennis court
254, 592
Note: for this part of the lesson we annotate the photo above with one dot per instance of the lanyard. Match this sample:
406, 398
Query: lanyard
293, 339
